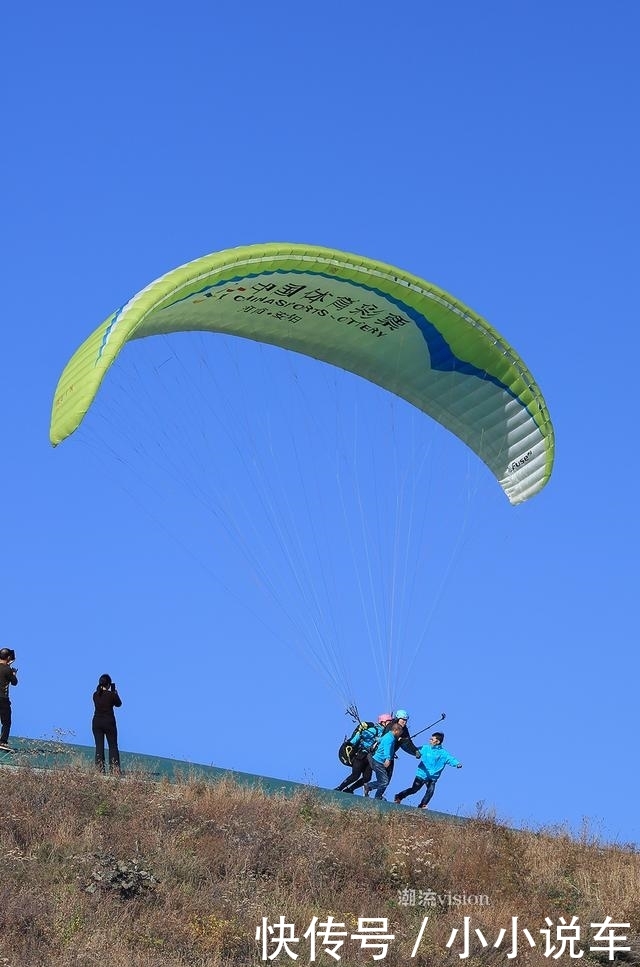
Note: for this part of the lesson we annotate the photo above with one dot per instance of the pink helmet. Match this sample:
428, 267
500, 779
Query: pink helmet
385, 717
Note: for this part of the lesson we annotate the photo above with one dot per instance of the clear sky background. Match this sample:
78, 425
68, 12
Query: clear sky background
489, 148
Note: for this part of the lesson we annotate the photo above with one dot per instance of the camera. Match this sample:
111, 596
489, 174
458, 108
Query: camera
113, 686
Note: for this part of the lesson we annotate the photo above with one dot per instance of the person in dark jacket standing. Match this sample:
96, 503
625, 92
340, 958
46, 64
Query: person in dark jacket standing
103, 725
8, 676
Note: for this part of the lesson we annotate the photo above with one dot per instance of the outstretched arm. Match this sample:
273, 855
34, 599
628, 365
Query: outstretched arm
407, 745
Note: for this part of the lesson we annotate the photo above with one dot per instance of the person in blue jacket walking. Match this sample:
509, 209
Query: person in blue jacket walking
405, 741
381, 759
433, 758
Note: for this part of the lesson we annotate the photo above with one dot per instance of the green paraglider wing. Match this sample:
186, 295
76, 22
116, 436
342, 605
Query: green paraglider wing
372, 319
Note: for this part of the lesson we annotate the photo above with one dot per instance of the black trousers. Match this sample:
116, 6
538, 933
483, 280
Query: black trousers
418, 783
5, 719
360, 773
105, 729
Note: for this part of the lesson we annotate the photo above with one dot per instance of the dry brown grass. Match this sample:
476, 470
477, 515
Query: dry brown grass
129, 872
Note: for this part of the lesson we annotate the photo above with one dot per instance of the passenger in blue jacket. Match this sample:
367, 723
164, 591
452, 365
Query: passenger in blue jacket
381, 759
362, 742
433, 759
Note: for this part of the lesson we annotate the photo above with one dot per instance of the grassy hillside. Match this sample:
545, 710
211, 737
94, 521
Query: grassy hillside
130, 872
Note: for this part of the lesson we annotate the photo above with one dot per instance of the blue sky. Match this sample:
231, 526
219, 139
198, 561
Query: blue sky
491, 149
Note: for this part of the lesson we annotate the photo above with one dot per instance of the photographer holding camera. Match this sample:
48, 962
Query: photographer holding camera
103, 725
8, 676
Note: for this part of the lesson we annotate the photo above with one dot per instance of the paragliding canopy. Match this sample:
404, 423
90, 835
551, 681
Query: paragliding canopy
372, 319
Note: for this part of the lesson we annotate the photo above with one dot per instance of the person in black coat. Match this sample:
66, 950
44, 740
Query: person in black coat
8, 676
103, 725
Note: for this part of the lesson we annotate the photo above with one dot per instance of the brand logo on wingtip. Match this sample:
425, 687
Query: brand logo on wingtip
520, 462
